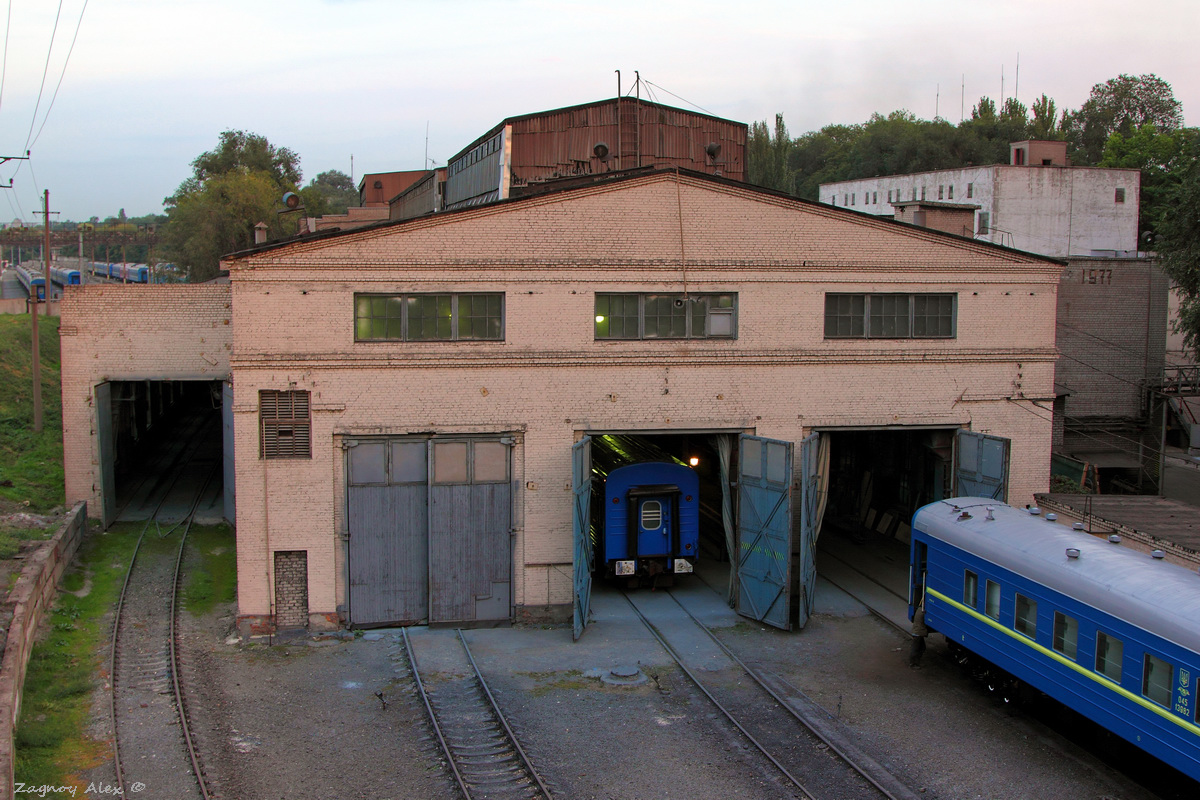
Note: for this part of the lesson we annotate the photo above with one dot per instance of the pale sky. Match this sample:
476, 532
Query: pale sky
151, 83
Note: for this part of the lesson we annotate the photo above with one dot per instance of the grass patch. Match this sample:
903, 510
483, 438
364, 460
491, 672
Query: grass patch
31, 462
212, 576
51, 741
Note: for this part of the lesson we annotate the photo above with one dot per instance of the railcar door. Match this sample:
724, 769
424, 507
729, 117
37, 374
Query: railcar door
980, 465
764, 555
581, 474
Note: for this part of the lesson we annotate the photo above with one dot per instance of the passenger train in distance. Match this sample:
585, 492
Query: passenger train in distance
1108, 631
131, 273
65, 277
650, 525
34, 283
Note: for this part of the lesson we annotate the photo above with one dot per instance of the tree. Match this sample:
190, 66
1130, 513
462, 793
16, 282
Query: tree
1045, 124
331, 192
232, 188
1120, 105
1178, 238
767, 156
1161, 157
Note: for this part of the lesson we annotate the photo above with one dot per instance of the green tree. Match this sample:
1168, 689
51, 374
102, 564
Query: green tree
1178, 239
767, 156
1161, 156
233, 187
331, 192
1120, 105
1044, 125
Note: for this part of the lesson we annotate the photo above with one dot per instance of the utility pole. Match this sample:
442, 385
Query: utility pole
33, 317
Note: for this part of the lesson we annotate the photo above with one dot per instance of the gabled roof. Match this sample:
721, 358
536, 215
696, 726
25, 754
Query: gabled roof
871, 225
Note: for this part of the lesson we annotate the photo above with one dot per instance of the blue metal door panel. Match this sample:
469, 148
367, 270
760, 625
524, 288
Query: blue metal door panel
227, 450
654, 541
581, 476
764, 530
810, 502
981, 465
107, 452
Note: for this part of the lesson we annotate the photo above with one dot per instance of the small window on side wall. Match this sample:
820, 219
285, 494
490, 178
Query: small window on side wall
1120, 197
1066, 634
1025, 616
992, 600
1109, 652
1158, 680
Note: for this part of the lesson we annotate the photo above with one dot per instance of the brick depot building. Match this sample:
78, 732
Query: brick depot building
408, 406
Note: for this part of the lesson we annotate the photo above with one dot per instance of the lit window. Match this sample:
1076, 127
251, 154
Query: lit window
890, 316
429, 317
991, 605
666, 316
1025, 616
1158, 680
1109, 651
1066, 634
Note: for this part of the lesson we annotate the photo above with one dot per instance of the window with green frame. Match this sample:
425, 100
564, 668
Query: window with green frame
429, 317
666, 316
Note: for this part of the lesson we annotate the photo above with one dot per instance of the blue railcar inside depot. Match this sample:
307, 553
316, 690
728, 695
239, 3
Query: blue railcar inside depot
651, 520
1109, 631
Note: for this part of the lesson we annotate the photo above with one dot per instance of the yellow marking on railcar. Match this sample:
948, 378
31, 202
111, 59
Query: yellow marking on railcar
1087, 673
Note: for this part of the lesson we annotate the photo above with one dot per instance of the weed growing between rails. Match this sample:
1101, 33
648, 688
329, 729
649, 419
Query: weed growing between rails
211, 569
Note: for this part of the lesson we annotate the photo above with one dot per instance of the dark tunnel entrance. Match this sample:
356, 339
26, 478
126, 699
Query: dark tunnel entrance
162, 450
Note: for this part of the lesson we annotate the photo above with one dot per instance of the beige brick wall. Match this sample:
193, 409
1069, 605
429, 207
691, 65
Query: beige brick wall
549, 380
114, 333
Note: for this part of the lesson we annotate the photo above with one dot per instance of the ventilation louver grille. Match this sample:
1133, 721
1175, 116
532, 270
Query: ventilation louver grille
286, 426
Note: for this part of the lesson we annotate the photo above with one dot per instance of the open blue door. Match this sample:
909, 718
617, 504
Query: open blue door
764, 530
980, 465
227, 450
107, 453
581, 482
810, 508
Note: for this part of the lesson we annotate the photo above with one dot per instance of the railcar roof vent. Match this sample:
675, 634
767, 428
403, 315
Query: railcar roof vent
990, 509
1077, 526
1115, 538
1034, 510
1051, 517
1157, 554
1072, 552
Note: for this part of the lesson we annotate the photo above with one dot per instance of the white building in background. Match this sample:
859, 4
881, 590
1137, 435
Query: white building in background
1037, 202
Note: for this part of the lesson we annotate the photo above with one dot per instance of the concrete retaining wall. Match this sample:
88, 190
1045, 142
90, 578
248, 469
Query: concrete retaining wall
31, 596
20, 305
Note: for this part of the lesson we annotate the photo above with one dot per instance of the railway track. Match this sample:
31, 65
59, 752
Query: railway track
153, 751
790, 732
481, 749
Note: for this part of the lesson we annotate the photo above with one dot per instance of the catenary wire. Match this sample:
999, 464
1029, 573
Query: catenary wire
61, 75
677, 97
4, 63
45, 72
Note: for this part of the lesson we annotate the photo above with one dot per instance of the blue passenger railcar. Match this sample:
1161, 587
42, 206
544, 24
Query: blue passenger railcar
65, 277
34, 284
651, 520
1108, 631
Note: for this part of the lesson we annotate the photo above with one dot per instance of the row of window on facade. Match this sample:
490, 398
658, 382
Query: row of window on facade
945, 192
475, 155
636, 316
1158, 674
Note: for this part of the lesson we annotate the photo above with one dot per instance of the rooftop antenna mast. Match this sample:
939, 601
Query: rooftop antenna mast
426, 144
962, 99
937, 99
1017, 78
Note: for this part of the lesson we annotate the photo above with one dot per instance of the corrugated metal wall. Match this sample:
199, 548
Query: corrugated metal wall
567, 143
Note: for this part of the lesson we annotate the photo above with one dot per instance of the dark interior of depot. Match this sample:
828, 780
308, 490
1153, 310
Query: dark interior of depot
166, 449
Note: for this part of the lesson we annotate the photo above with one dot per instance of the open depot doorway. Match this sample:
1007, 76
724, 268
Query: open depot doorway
746, 514
165, 447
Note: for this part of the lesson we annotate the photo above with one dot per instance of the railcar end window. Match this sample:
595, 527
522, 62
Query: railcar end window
1158, 680
1066, 634
666, 316
1025, 616
1109, 651
429, 317
890, 316
992, 600
971, 589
